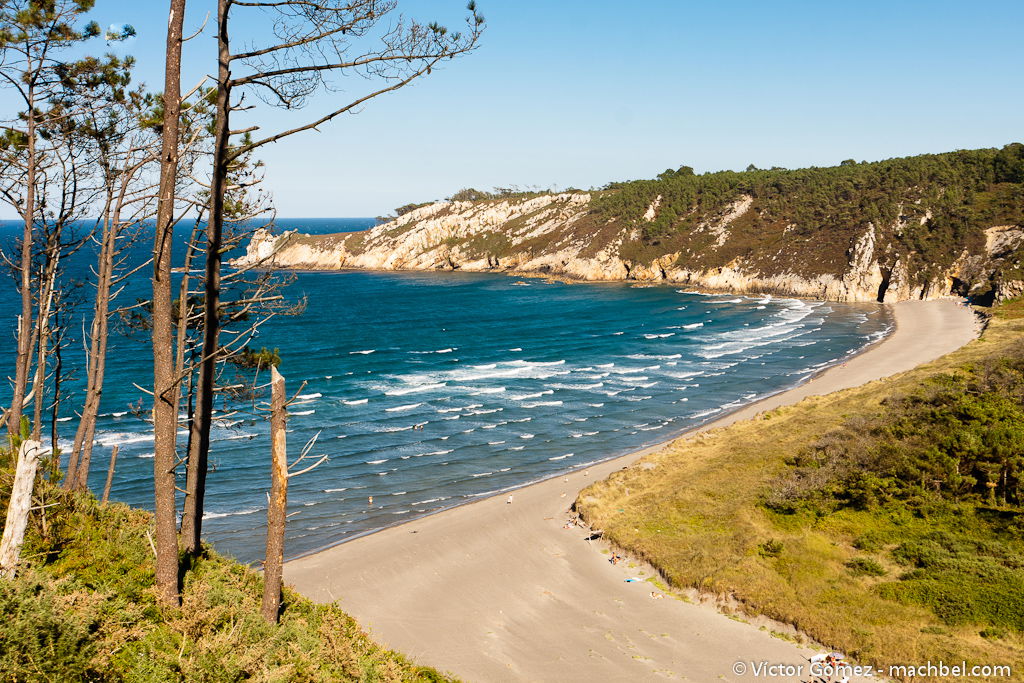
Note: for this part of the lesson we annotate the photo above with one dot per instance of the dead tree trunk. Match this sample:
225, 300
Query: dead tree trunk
165, 410
276, 510
24, 357
18, 508
47, 285
110, 473
81, 451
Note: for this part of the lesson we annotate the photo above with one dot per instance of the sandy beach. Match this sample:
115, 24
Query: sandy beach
499, 591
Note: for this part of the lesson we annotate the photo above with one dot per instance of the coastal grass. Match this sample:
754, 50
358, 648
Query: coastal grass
914, 576
83, 608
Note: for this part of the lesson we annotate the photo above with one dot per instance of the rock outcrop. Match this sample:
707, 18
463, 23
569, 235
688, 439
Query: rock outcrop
559, 235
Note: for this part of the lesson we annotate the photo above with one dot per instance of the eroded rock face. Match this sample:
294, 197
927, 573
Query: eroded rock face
556, 234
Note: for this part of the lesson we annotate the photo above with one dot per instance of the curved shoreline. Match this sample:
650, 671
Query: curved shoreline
494, 591
643, 450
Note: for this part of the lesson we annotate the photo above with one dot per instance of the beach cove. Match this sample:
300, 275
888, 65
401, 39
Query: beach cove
503, 591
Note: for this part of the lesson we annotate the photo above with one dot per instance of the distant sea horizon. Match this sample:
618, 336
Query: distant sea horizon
429, 390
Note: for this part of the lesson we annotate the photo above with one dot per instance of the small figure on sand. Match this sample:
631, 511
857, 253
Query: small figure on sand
615, 558
509, 501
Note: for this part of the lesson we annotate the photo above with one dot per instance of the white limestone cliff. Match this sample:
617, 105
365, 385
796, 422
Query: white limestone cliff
543, 234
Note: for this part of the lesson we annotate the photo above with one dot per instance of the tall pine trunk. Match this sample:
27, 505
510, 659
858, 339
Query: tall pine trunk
165, 409
199, 440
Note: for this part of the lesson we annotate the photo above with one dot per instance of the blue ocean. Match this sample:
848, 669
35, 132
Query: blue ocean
431, 390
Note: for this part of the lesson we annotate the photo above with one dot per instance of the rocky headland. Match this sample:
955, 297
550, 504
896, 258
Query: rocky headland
886, 231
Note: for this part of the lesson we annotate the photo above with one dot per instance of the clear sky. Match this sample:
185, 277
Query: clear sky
574, 93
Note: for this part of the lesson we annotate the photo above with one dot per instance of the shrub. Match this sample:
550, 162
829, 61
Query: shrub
865, 566
770, 548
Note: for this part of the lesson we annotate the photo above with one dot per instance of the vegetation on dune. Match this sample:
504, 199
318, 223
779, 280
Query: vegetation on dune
896, 536
84, 607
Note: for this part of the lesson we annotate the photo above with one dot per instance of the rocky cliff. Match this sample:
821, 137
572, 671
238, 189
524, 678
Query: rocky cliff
742, 242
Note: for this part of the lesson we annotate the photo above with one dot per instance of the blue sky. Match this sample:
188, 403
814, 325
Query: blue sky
574, 93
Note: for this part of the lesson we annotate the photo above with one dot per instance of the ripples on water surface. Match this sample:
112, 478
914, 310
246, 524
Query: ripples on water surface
430, 390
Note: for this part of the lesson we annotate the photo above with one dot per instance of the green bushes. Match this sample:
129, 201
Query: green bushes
949, 453
84, 608
865, 566
960, 438
256, 360
928, 208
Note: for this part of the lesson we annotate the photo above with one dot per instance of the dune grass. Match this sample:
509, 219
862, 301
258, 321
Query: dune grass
896, 581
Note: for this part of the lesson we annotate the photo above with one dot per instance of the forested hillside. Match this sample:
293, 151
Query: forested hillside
928, 209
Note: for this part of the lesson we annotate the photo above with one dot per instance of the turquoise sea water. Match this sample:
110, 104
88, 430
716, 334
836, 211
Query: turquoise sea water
430, 390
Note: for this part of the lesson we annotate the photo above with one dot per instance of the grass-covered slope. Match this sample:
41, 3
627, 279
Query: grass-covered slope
84, 608
884, 520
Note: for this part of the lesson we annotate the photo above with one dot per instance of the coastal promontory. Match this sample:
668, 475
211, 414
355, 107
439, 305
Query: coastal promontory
918, 227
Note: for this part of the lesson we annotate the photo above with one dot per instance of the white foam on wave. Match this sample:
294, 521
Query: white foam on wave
122, 438
357, 402
663, 335
339, 490
376, 462
235, 437
432, 500
362, 353
562, 457
527, 436
303, 412
218, 515
526, 397
416, 389
485, 412
397, 409
306, 397
539, 404
579, 387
